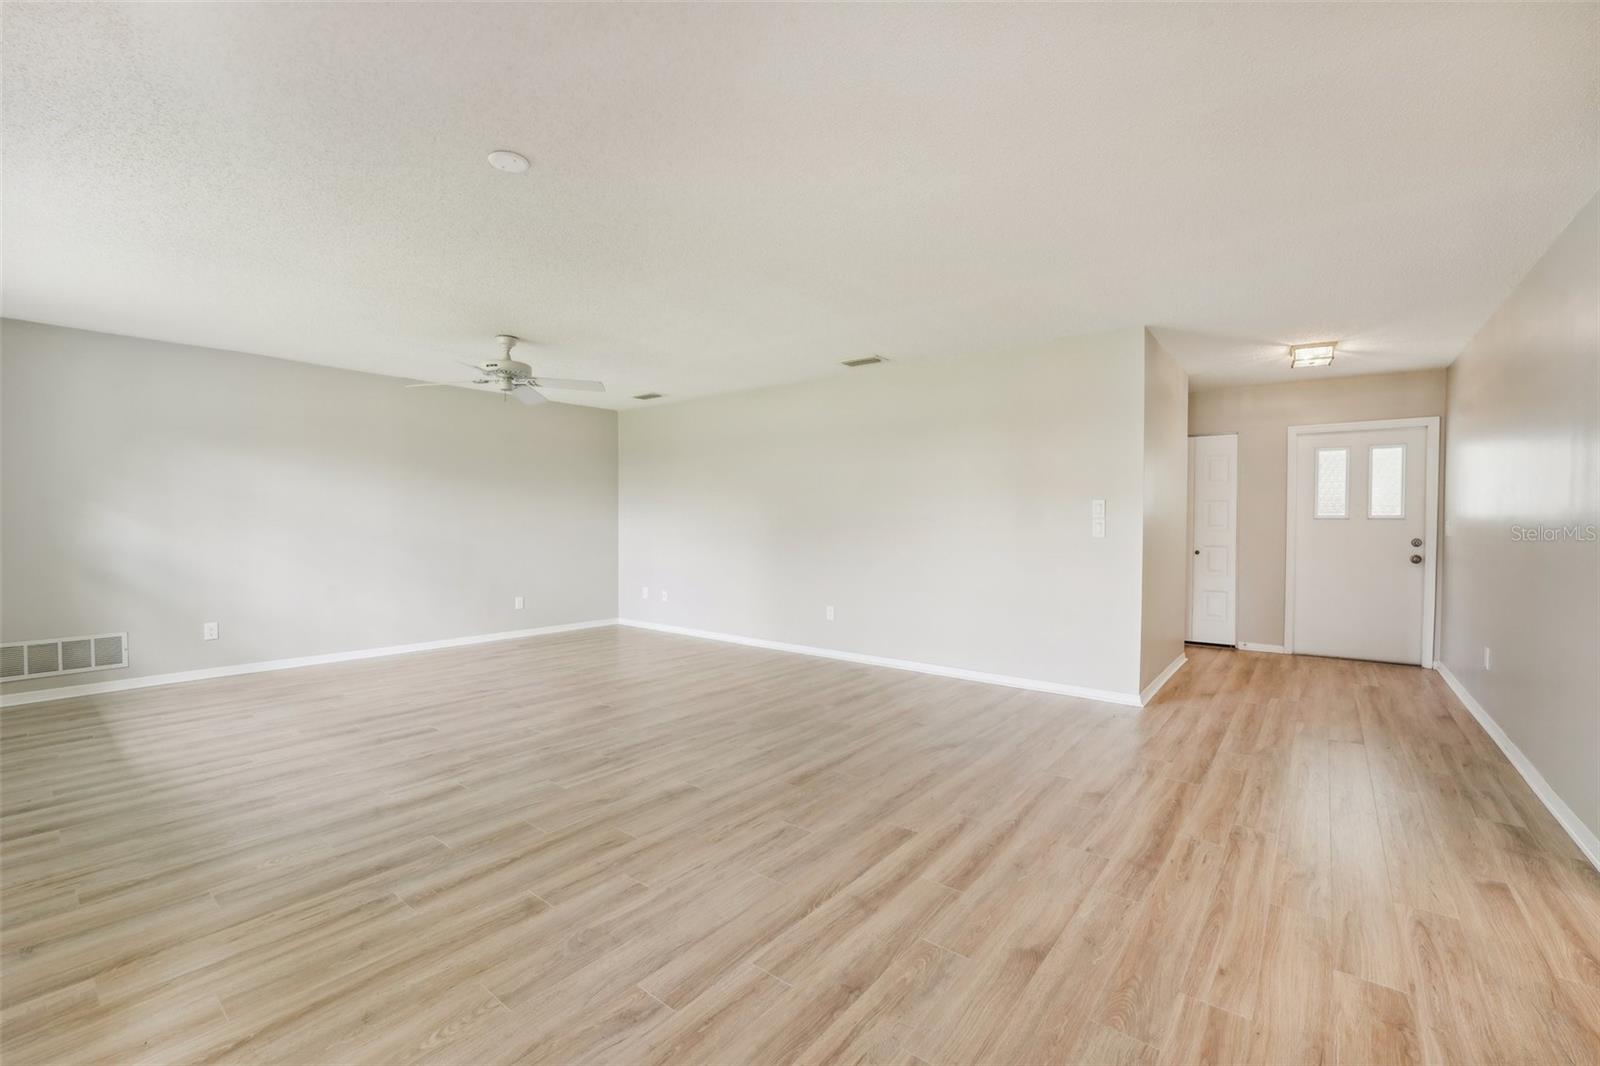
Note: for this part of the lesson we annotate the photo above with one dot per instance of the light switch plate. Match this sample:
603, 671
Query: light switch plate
1097, 508
1097, 528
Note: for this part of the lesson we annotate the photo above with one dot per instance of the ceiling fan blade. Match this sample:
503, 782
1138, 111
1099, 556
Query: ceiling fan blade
440, 384
529, 396
567, 383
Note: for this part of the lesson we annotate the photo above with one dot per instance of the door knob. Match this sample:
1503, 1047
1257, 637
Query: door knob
1416, 542
1197, 551
1416, 558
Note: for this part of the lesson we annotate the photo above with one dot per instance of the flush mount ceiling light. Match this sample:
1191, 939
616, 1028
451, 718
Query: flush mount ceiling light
1319, 354
508, 161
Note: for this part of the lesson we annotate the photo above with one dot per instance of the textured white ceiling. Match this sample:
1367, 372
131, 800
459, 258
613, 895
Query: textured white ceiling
725, 197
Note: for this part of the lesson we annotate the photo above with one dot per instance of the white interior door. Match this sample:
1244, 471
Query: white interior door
1213, 538
1362, 542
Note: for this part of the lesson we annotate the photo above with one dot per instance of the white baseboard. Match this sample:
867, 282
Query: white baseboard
1274, 649
69, 691
1587, 842
1124, 699
1162, 678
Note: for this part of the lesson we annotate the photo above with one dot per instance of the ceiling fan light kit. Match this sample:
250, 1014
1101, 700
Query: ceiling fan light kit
512, 377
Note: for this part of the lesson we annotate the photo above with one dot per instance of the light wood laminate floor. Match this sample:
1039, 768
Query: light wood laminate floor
620, 846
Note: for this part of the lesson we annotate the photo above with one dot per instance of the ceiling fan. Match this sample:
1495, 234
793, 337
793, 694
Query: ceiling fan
510, 377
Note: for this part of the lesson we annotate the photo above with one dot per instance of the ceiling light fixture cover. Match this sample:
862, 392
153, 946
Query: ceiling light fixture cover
1319, 354
508, 161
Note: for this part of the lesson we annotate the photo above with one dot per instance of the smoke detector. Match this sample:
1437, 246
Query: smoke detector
508, 161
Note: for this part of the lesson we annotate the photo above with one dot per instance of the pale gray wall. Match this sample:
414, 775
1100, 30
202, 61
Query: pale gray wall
1165, 593
1523, 449
150, 487
942, 508
1261, 415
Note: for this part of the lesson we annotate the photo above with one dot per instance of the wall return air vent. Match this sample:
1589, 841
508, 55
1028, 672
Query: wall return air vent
62, 655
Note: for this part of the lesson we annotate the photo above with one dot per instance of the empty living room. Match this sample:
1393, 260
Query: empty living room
750, 534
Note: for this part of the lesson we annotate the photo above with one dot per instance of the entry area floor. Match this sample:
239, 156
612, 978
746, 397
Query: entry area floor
626, 847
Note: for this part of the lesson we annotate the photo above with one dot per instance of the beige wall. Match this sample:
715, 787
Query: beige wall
943, 508
1163, 617
151, 487
1261, 415
1523, 451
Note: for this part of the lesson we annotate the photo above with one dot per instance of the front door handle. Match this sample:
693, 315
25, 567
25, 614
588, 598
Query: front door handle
1416, 558
1416, 542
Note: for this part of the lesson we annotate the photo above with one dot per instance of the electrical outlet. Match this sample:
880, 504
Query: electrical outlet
516, 603
208, 631
1488, 659
828, 612
644, 592
663, 595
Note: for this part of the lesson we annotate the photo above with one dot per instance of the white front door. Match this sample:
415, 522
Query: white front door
1361, 539
1213, 538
